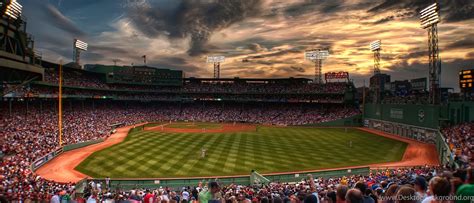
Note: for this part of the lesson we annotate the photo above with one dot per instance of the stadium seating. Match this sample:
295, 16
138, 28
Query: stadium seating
78, 79
461, 141
386, 185
29, 131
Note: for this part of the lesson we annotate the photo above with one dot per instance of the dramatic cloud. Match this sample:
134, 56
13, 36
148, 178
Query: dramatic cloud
57, 19
466, 43
194, 19
259, 38
470, 55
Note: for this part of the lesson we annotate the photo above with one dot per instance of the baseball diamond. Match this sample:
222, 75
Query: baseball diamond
155, 154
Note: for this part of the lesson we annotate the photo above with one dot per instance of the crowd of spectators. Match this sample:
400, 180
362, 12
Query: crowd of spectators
88, 80
30, 130
30, 133
428, 184
73, 78
461, 141
258, 88
36, 90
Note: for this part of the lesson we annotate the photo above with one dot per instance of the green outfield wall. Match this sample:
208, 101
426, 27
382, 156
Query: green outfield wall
353, 121
427, 116
241, 180
50, 156
82, 144
419, 122
460, 112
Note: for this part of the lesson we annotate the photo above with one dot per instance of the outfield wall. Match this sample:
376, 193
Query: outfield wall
82, 144
426, 135
353, 121
426, 116
418, 122
241, 180
460, 112
50, 156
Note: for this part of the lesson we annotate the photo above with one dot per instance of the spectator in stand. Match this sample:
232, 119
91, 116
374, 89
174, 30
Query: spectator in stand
467, 190
354, 196
55, 198
406, 194
149, 197
185, 194
439, 188
420, 187
212, 194
461, 141
341, 192
362, 187
391, 194
3, 199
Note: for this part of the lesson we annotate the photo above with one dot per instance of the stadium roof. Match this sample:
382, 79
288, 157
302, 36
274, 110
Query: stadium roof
262, 80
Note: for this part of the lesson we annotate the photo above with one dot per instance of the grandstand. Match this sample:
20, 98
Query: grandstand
135, 133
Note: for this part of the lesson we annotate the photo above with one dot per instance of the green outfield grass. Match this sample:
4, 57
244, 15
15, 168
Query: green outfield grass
195, 125
150, 154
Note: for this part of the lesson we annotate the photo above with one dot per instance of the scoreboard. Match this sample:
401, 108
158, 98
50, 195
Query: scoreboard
466, 80
336, 75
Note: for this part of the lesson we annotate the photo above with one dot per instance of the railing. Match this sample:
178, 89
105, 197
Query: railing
82, 144
444, 151
126, 184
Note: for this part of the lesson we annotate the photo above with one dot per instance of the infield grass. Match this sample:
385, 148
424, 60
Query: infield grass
153, 154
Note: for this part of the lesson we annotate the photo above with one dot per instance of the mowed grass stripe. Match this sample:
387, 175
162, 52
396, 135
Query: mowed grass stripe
150, 154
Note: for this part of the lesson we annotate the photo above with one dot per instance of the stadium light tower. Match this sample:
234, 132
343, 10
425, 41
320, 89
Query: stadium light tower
375, 47
317, 57
216, 60
77, 48
13, 9
429, 20
115, 61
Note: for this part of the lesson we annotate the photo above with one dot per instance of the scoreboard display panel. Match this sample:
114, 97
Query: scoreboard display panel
336, 75
466, 79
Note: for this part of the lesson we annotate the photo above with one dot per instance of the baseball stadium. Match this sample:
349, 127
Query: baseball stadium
236, 101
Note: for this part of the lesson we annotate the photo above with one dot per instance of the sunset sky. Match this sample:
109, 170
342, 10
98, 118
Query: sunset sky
260, 38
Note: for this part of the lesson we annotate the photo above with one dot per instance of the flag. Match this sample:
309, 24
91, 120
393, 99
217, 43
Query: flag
144, 59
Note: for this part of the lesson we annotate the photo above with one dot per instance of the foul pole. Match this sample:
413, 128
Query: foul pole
60, 105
